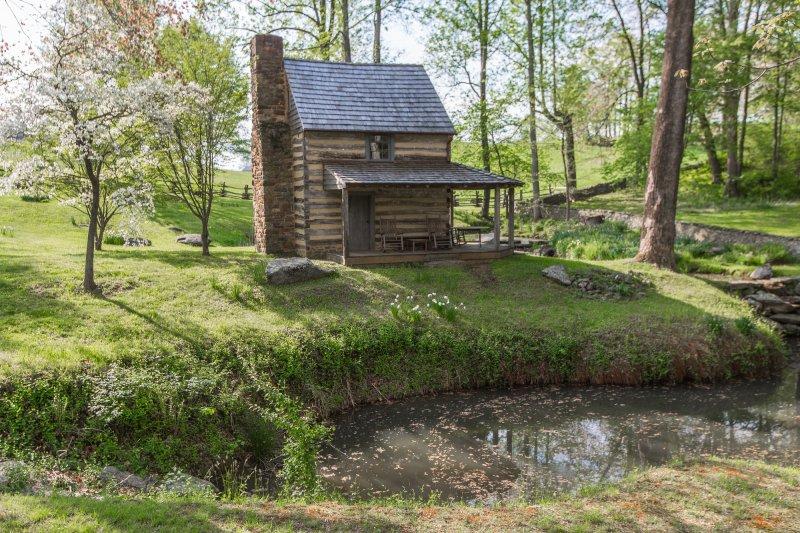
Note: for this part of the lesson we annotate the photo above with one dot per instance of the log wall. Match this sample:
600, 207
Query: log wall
319, 212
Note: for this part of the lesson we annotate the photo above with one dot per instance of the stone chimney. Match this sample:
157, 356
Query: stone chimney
271, 148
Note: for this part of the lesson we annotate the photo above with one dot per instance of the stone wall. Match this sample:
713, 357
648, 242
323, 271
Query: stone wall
697, 232
271, 149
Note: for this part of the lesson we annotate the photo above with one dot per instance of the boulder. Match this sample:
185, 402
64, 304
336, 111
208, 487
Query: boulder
122, 479
14, 475
547, 251
762, 272
181, 483
557, 273
192, 239
786, 318
288, 270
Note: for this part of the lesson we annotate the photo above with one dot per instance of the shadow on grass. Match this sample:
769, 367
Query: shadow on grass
58, 513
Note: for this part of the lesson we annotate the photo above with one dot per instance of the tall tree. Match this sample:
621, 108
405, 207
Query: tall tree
80, 102
347, 50
191, 141
661, 196
463, 33
377, 24
532, 140
632, 26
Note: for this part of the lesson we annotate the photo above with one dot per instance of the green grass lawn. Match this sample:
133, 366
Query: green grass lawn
169, 291
724, 495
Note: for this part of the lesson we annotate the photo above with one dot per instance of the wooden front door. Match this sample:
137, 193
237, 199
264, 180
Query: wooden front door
360, 222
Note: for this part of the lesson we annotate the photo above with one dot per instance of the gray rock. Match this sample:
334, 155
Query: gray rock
762, 272
547, 251
181, 483
790, 329
716, 250
593, 220
786, 318
122, 479
14, 475
768, 303
765, 297
192, 239
557, 273
176, 229
284, 271
137, 241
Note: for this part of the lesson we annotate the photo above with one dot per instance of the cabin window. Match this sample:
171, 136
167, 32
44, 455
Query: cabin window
380, 147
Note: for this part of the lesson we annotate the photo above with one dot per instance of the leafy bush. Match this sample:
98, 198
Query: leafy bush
610, 240
6, 231
114, 239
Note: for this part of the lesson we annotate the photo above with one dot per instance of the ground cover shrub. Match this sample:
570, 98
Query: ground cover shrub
117, 240
613, 240
6, 231
246, 396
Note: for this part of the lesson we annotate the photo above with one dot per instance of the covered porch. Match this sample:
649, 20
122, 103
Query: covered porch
402, 212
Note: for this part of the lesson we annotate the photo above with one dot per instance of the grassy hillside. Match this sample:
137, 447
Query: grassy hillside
196, 363
715, 495
168, 291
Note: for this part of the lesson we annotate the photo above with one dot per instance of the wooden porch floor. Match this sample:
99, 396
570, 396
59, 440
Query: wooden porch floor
465, 252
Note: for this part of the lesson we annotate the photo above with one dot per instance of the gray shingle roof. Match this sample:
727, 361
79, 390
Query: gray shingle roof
342, 173
365, 97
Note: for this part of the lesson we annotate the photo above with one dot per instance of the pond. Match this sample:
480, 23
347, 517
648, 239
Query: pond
530, 443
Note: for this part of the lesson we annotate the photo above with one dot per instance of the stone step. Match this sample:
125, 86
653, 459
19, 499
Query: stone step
786, 318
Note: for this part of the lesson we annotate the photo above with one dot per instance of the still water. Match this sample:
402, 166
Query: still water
529, 443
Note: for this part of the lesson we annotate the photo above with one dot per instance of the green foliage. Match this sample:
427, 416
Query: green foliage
613, 240
6, 231
114, 239
745, 325
610, 240
406, 309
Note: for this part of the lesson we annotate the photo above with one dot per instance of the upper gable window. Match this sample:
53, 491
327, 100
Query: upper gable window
380, 147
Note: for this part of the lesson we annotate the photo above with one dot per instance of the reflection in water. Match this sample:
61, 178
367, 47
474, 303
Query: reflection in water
534, 442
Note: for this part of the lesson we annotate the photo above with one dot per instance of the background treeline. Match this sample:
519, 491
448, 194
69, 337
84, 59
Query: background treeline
574, 74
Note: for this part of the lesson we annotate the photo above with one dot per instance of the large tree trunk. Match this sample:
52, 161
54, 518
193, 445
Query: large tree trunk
569, 152
661, 197
347, 51
376, 32
730, 119
710, 147
537, 208
89, 284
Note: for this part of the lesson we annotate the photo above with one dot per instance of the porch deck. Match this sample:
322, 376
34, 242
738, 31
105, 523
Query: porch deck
465, 252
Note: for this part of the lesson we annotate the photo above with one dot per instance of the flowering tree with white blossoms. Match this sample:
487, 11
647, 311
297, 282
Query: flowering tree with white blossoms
81, 106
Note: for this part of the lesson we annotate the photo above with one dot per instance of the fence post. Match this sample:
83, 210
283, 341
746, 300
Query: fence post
223, 192
477, 199
246, 193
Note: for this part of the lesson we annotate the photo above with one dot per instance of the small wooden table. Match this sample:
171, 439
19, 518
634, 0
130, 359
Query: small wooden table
416, 239
461, 233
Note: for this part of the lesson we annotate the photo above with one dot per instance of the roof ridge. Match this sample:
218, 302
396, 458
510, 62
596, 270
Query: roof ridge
353, 63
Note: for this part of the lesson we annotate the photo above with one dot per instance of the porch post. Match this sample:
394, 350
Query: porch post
345, 221
510, 215
497, 218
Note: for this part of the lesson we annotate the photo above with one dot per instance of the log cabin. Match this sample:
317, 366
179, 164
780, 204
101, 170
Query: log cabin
351, 162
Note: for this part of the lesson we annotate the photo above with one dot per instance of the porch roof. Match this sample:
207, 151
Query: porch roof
341, 174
